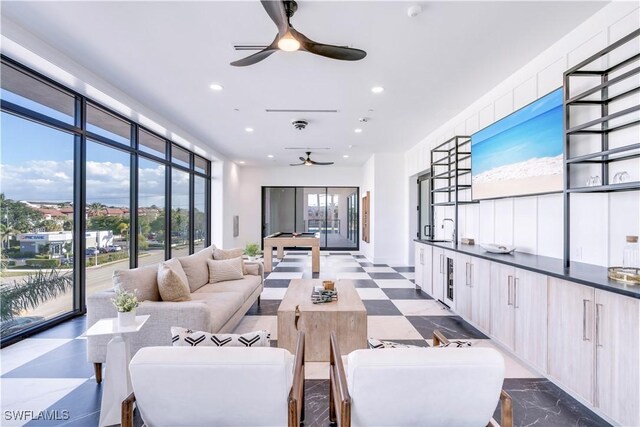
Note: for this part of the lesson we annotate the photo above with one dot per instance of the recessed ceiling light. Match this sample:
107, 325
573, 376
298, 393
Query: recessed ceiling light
241, 162
346, 156
270, 156
377, 89
248, 129
358, 130
215, 86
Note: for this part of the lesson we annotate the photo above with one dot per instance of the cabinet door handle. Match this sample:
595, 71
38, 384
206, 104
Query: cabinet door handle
584, 320
598, 342
509, 290
441, 267
471, 275
515, 292
466, 273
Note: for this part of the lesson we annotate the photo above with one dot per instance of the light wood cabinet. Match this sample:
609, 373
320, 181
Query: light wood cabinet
530, 306
419, 249
617, 342
462, 287
570, 336
437, 273
502, 312
480, 279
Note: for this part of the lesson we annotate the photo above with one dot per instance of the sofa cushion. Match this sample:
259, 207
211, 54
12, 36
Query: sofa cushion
181, 337
222, 305
246, 286
223, 270
172, 285
143, 281
228, 254
196, 269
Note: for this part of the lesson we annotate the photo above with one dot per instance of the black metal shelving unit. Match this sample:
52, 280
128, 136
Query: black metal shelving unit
451, 175
608, 92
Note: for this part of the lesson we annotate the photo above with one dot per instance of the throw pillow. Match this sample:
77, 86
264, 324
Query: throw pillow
374, 344
196, 269
226, 269
142, 281
252, 269
181, 337
171, 285
228, 254
456, 343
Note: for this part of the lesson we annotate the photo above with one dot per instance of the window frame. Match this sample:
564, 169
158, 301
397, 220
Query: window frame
81, 136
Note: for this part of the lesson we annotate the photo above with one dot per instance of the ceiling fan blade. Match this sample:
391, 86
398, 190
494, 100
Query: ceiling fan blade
322, 163
296, 164
275, 10
302, 159
258, 56
330, 51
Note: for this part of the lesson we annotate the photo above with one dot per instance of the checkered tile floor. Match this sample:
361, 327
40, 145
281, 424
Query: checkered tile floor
49, 371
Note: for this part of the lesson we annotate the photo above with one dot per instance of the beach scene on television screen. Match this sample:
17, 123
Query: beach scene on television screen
520, 154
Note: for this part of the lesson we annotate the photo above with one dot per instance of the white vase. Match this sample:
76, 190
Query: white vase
127, 318
252, 258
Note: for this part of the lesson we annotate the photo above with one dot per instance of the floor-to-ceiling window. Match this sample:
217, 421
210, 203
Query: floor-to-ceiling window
332, 212
84, 192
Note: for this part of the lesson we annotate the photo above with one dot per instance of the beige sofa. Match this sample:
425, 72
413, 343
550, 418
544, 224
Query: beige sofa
214, 307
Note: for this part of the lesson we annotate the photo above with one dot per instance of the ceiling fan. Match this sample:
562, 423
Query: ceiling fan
309, 162
290, 40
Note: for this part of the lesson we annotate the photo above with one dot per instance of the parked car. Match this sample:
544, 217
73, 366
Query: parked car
114, 248
91, 251
103, 250
66, 261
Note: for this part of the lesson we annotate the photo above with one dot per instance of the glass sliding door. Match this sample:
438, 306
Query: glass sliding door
332, 212
151, 212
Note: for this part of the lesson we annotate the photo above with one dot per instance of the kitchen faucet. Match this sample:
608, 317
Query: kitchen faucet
453, 232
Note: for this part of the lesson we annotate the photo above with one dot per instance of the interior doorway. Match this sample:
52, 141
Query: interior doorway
332, 212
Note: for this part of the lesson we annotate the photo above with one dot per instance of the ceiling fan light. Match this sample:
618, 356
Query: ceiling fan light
288, 43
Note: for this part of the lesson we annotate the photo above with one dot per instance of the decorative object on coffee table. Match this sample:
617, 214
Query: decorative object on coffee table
329, 285
117, 382
321, 295
126, 304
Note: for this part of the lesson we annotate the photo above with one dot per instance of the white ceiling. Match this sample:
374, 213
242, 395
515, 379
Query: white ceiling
166, 54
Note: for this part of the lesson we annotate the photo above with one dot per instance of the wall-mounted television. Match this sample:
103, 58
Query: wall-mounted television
521, 154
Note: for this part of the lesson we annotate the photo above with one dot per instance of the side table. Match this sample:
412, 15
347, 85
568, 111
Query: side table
117, 382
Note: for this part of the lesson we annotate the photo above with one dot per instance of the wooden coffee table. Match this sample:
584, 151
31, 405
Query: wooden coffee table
347, 317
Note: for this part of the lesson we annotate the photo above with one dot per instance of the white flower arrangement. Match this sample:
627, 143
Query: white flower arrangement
125, 302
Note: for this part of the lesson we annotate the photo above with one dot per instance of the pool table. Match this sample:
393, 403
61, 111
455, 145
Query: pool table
282, 240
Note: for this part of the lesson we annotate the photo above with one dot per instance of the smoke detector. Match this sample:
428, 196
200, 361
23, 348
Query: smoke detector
414, 11
300, 124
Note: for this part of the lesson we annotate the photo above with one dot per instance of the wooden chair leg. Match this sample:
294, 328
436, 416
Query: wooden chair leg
127, 411
98, 371
258, 300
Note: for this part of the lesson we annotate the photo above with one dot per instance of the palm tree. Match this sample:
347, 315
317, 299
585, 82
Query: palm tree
34, 290
95, 208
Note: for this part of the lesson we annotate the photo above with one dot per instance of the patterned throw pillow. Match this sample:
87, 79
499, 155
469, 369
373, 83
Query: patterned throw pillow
181, 337
456, 343
374, 343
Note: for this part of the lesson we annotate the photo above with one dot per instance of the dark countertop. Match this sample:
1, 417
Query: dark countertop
585, 274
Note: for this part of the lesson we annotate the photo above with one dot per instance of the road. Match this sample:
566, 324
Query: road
97, 278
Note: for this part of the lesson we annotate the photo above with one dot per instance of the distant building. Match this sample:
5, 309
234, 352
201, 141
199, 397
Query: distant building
33, 242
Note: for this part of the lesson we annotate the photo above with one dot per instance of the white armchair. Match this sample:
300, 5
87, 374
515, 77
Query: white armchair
217, 386
403, 387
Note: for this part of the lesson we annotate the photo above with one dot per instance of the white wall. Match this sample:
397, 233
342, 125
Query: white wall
246, 199
535, 224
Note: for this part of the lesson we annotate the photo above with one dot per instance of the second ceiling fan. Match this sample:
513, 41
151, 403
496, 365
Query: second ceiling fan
309, 162
289, 40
